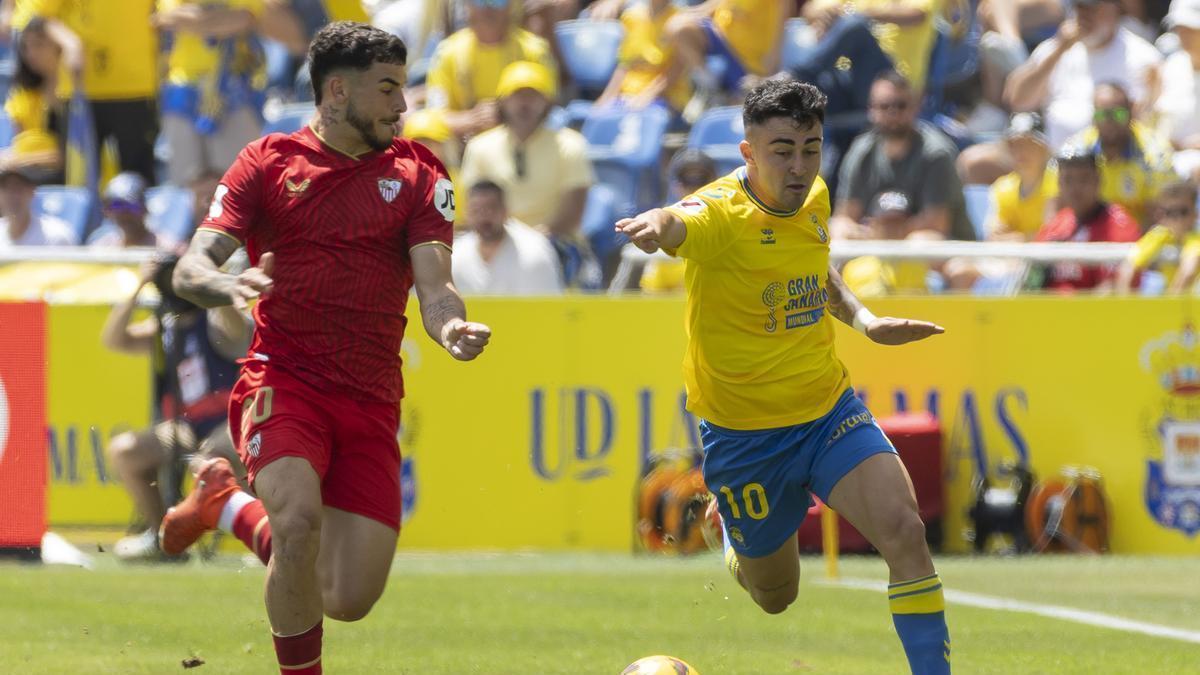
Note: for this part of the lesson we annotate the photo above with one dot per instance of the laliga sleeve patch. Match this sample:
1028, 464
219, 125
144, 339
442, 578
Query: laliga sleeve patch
443, 198
218, 203
691, 207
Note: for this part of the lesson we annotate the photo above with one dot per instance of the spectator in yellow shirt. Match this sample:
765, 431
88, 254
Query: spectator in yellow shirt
465, 73
1133, 165
1027, 197
428, 127
111, 49
215, 75
31, 104
644, 61
744, 34
1176, 228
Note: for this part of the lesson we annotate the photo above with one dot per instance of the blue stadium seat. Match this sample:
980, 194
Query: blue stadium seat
6, 130
170, 212
589, 52
625, 147
979, 207
289, 119
71, 204
577, 112
717, 133
599, 215
793, 49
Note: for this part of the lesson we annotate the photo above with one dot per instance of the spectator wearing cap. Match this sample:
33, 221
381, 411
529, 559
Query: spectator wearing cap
124, 208
213, 91
1026, 197
1133, 164
1062, 73
20, 226
110, 50
1084, 216
889, 217
545, 173
644, 61
689, 172
900, 154
429, 128
465, 73
1178, 104
500, 255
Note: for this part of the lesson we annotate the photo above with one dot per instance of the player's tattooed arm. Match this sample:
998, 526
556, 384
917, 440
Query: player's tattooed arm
843, 304
198, 276
884, 330
442, 309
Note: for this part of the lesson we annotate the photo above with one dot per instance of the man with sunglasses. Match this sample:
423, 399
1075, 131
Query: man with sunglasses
545, 173
1133, 165
124, 209
900, 154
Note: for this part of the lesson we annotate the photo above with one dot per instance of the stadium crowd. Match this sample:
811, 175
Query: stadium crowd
992, 120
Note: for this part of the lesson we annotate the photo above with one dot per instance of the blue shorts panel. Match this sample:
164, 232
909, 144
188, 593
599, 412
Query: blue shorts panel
763, 479
733, 71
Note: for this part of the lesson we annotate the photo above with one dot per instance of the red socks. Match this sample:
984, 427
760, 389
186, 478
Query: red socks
300, 654
251, 526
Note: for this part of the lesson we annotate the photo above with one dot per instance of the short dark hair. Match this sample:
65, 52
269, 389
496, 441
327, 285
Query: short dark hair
486, 186
799, 101
348, 44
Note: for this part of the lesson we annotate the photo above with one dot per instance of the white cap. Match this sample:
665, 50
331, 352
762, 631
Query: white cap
1184, 13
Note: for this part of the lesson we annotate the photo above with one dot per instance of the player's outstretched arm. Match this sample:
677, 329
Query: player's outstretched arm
198, 276
442, 308
884, 330
654, 229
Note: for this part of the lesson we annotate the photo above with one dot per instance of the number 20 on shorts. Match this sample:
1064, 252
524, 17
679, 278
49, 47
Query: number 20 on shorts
753, 496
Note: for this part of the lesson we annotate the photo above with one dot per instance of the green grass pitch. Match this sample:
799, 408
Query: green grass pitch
583, 613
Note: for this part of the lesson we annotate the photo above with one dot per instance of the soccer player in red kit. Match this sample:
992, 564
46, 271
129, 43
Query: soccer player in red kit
341, 219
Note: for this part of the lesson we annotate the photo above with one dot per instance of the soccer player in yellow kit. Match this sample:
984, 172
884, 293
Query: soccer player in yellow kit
779, 419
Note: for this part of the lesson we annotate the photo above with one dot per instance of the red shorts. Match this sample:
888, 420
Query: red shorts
350, 443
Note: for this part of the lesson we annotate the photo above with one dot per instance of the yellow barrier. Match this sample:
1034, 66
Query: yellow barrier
539, 443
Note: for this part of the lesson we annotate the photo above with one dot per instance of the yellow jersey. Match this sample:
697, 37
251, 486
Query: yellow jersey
120, 48
1134, 179
760, 351
465, 72
908, 46
751, 29
1146, 250
28, 109
192, 58
645, 55
346, 10
1023, 213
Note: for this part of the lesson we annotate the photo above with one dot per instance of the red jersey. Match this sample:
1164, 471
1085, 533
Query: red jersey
1110, 223
341, 229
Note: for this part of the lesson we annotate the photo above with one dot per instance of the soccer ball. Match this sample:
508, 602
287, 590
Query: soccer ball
659, 665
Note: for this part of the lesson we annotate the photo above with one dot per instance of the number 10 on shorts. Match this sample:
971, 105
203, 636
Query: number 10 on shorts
754, 497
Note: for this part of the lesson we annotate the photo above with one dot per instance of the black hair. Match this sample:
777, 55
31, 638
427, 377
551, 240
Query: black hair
1180, 188
348, 44
486, 186
25, 77
799, 101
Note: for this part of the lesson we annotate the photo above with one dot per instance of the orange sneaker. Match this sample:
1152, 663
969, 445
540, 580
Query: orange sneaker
199, 512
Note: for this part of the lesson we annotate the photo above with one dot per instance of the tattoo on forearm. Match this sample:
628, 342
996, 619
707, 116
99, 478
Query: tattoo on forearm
842, 302
197, 275
442, 310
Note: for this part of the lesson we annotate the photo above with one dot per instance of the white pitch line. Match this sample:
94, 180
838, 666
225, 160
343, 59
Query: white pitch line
1050, 611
